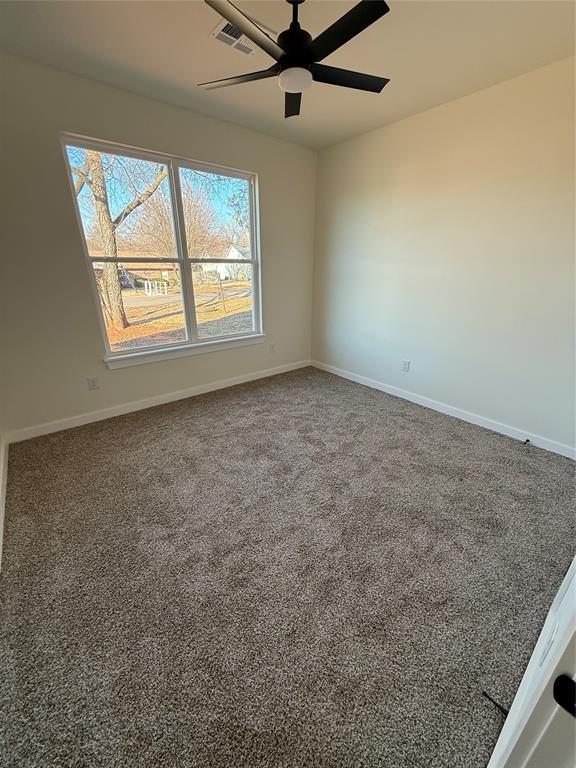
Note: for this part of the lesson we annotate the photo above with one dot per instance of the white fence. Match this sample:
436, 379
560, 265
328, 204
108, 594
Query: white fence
155, 287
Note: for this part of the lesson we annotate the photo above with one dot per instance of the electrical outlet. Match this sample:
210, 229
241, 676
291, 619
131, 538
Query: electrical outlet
405, 366
92, 382
272, 349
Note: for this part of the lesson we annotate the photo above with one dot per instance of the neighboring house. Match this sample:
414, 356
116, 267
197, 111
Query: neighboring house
238, 253
221, 270
226, 271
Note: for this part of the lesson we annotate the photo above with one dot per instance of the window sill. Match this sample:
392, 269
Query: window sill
140, 357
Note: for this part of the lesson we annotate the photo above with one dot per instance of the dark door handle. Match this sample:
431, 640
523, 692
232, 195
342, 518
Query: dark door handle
565, 693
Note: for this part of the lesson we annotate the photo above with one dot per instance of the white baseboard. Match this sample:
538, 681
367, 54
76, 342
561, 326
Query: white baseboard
137, 405
450, 410
3, 480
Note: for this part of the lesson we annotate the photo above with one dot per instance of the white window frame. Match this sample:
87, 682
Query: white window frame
193, 344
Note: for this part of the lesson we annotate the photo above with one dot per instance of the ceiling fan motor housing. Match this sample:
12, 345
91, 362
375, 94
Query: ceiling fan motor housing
294, 41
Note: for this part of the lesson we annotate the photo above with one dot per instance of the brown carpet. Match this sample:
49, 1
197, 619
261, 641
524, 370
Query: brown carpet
295, 572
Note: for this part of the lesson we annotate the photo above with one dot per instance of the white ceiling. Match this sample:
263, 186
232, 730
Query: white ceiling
432, 51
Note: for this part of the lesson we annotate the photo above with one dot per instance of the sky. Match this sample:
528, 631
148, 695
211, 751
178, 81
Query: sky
126, 177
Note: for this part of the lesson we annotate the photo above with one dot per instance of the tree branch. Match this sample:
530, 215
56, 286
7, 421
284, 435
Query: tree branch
83, 177
139, 199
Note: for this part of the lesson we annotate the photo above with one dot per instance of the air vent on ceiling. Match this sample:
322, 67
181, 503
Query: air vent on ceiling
230, 35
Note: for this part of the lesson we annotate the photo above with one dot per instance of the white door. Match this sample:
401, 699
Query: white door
538, 733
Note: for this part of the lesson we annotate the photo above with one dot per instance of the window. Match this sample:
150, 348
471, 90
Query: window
172, 247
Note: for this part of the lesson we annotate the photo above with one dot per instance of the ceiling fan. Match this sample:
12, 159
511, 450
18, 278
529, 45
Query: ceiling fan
297, 55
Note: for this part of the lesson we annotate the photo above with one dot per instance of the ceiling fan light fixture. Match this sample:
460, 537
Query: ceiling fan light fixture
295, 79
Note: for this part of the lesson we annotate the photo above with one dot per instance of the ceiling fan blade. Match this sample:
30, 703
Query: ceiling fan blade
348, 79
348, 26
261, 75
292, 103
235, 16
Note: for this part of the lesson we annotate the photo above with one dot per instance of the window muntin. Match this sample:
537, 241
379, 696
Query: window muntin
171, 244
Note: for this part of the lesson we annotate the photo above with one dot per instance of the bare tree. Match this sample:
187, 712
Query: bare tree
125, 208
203, 235
153, 232
92, 174
216, 211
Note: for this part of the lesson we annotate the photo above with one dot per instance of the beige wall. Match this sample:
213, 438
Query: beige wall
448, 239
50, 338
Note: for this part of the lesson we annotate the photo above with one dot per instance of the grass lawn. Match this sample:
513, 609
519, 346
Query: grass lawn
160, 319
